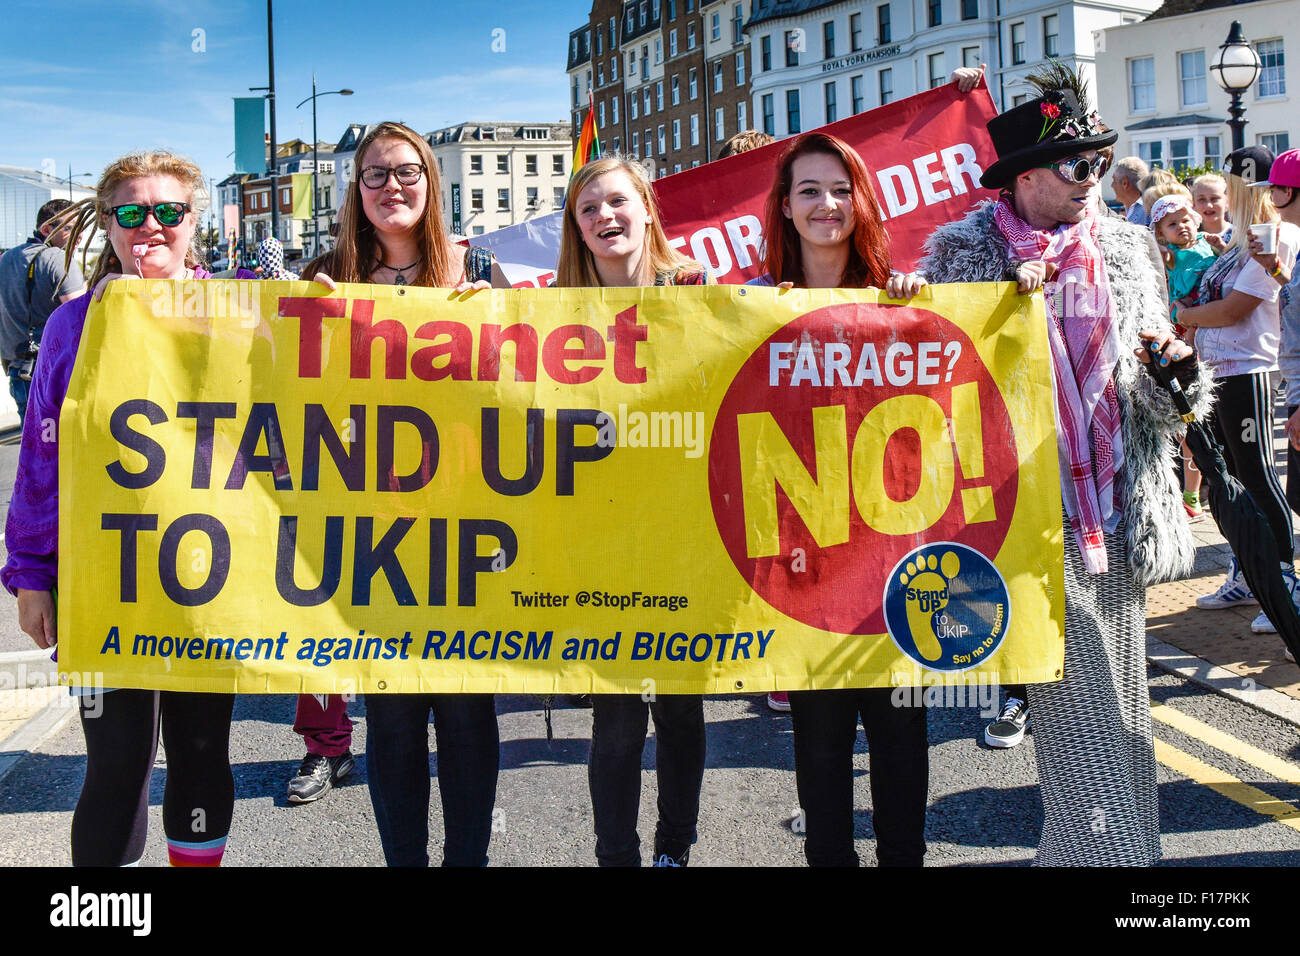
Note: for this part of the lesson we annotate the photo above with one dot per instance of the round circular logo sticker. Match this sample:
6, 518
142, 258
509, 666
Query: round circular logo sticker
946, 606
849, 436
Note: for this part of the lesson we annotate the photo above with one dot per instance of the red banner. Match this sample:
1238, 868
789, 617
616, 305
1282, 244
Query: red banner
927, 153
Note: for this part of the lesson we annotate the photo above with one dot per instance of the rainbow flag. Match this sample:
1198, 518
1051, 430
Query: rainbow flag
588, 147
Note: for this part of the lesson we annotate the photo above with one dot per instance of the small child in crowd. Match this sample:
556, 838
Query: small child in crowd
1186, 251
1187, 254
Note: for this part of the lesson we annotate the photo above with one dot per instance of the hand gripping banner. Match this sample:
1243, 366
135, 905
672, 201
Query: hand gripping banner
270, 489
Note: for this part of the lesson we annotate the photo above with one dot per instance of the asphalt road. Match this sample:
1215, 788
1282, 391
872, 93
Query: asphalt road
984, 804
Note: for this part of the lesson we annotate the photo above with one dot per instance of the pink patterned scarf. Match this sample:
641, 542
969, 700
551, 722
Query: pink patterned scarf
1085, 349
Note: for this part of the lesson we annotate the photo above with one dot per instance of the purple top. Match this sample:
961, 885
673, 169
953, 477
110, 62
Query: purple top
32, 530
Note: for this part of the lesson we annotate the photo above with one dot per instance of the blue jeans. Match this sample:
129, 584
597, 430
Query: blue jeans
19, 389
825, 729
397, 763
618, 732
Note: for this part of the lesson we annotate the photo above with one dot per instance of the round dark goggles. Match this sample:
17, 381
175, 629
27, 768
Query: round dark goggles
1077, 170
133, 214
408, 174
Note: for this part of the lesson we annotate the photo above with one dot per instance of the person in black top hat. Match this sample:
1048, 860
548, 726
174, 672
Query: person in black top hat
1104, 304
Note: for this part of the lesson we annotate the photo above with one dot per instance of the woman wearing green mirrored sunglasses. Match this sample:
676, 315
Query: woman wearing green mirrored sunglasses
133, 215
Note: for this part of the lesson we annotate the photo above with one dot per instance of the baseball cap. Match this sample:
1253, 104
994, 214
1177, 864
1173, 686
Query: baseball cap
1285, 170
1251, 164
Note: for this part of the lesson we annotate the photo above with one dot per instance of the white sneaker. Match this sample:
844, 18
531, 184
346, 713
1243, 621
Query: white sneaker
1262, 625
1233, 591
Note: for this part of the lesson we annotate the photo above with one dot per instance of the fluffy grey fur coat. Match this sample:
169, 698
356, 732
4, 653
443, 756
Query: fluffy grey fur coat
1160, 545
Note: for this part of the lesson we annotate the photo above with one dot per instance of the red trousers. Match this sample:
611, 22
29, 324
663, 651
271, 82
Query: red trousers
322, 721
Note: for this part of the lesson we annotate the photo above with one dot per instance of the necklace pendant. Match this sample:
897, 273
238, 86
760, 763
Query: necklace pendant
399, 280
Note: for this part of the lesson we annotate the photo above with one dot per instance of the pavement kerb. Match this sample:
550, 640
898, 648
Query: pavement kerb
1223, 681
27, 669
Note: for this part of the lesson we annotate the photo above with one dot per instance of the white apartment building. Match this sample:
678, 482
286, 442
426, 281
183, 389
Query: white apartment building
816, 61
1156, 87
500, 174
22, 193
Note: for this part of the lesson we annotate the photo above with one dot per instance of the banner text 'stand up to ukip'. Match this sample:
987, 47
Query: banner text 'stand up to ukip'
689, 489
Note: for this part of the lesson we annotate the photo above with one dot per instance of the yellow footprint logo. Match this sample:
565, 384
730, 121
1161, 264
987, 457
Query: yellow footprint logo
926, 586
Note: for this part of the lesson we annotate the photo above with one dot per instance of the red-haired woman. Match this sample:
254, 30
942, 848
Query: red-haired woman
823, 230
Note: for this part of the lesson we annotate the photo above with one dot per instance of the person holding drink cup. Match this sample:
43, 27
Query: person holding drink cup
1236, 315
1269, 250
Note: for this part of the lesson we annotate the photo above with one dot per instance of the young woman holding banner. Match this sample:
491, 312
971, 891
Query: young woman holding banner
612, 237
392, 214
149, 205
823, 230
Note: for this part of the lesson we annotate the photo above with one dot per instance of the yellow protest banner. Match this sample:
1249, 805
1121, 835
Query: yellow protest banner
266, 487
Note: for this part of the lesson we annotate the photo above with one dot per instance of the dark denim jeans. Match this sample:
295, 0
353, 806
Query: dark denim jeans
825, 729
618, 734
397, 763
19, 388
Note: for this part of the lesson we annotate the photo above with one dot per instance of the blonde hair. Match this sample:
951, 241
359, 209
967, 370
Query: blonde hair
356, 250
1157, 177
1151, 194
577, 266
1247, 207
91, 214
1206, 179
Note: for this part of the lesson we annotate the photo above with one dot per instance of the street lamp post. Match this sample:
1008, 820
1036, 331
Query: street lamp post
79, 176
315, 190
1235, 69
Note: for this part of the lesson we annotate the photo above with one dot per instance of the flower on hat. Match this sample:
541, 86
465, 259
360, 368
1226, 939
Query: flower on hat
1051, 113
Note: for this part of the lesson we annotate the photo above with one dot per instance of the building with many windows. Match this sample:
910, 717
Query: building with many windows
669, 79
499, 174
1157, 89
816, 61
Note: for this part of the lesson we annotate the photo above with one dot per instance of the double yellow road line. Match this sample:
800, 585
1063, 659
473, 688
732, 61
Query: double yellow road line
1220, 781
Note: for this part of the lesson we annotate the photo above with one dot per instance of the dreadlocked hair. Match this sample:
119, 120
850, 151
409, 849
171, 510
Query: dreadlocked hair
86, 217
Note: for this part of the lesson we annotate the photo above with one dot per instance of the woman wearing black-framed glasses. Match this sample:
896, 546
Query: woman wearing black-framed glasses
390, 226
391, 232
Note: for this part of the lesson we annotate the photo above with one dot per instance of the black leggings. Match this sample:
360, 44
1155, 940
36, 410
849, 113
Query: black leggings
1243, 423
121, 727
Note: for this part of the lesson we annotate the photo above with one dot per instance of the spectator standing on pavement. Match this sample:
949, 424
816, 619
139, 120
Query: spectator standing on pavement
35, 278
391, 232
1237, 334
1210, 197
1283, 185
613, 236
149, 205
1124, 179
1096, 762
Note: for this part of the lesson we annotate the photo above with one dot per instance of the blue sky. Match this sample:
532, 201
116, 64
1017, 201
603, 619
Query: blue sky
83, 83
